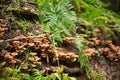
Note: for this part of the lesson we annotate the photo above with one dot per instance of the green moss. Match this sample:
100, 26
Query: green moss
13, 9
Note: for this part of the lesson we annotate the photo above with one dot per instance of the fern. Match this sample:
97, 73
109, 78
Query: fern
37, 75
24, 76
59, 75
10, 74
99, 17
97, 3
83, 59
58, 17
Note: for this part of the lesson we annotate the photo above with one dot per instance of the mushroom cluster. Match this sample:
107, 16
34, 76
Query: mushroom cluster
3, 28
24, 49
16, 50
104, 47
67, 56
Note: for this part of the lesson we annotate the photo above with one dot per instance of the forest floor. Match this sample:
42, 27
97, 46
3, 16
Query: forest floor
17, 26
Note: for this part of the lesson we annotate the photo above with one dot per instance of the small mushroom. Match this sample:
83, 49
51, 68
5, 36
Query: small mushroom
14, 54
36, 58
13, 61
8, 56
33, 53
31, 44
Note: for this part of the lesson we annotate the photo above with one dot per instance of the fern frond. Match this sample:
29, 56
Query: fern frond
57, 16
37, 75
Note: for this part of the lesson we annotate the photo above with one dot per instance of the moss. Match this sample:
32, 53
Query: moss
9, 9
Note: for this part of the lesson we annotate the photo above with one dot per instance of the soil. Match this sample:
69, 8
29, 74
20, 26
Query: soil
68, 55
